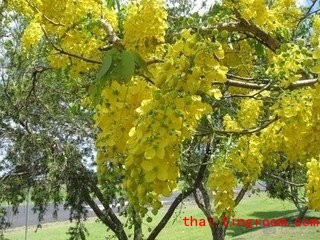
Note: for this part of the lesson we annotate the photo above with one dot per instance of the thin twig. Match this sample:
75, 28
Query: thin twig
240, 131
229, 75
46, 17
153, 61
62, 51
34, 77
258, 86
284, 180
250, 95
308, 13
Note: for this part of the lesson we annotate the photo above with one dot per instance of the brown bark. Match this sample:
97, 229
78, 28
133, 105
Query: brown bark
137, 224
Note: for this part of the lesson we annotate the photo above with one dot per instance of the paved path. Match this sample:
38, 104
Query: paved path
19, 219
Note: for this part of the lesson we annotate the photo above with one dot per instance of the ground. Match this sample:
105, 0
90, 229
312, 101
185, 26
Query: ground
252, 207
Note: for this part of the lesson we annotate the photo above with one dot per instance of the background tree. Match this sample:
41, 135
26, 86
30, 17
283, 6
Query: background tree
288, 184
46, 138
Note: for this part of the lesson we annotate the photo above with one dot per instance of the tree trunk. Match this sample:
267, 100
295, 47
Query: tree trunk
303, 211
218, 231
137, 224
294, 196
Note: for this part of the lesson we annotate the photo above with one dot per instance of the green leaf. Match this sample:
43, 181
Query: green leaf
259, 49
106, 64
111, 4
141, 63
127, 65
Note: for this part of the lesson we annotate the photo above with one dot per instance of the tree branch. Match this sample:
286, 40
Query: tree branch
241, 84
34, 77
202, 207
266, 86
250, 95
106, 206
153, 61
308, 13
205, 195
206, 206
107, 221
284, 180
263, 37
240, 195
108, 218
46, 17
239, 132
302, 83
112, 36
62, 51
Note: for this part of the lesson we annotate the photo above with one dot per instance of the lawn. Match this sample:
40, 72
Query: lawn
254, 207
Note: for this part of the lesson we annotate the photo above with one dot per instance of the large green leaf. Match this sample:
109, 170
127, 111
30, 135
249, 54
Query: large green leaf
111, 4
127, 65
259, 49
106, 64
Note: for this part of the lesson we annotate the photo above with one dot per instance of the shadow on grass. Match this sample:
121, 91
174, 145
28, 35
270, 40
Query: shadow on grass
273, 214
238, 229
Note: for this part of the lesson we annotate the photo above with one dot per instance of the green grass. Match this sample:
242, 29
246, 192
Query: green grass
263, 207
257, 206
